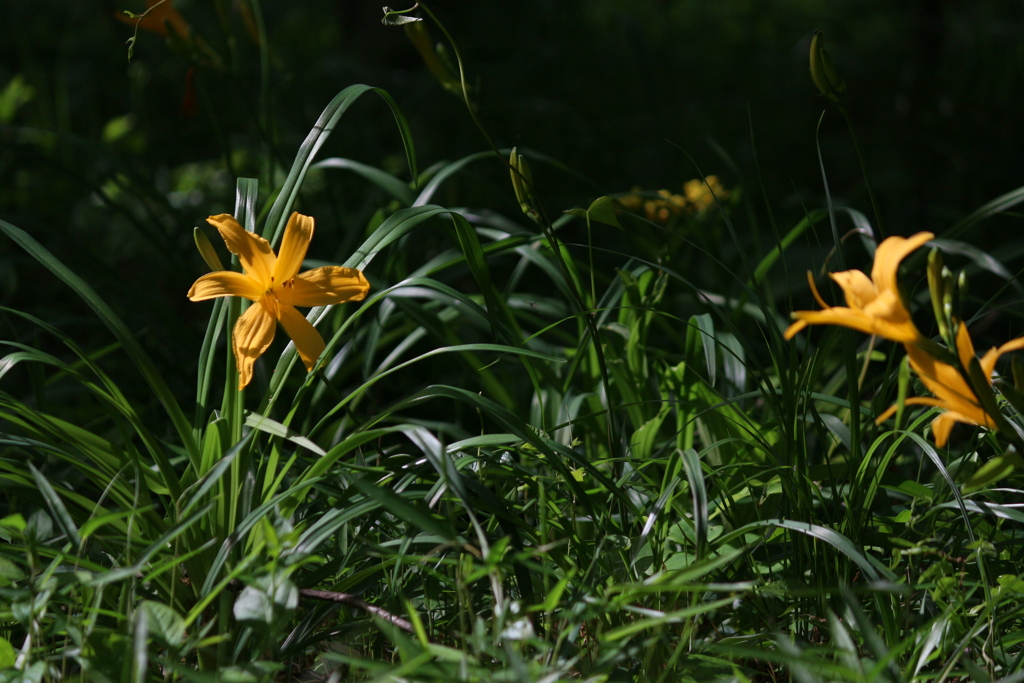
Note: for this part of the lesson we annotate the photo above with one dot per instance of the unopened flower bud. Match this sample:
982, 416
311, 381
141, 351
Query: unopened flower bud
935, 288
823, 71
522, 180
206, 250
961, 287
948, 288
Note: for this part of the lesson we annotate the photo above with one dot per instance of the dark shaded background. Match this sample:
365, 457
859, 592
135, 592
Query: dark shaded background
110, 164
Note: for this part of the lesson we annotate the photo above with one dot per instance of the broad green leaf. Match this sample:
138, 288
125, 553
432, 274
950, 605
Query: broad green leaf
994, 469
601, 210
165, 624
499, 315
978, 257
10, 571
268, 601
8, 655
15, 522
95, 523
979, 507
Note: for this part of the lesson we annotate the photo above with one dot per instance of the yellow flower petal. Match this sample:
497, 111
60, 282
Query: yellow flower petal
948, 385
875, 306
253, 251
251, 337
225, 283
903, 332
953, 392
329, 285
915, 400
888, 306
814, 290
308, 341
988, 361
273, 284
890, 252
297, 235
794, 329
857, 288
943, 425
965, 347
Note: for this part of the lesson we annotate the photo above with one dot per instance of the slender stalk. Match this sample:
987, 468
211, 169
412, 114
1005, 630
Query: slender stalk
864, 171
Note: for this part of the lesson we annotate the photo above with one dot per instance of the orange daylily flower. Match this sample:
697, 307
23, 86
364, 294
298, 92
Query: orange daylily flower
953, 394
159, 14
874, 305
276, 286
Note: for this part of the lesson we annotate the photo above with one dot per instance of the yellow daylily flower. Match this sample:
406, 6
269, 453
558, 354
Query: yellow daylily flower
874, 305
953, 394
276, 286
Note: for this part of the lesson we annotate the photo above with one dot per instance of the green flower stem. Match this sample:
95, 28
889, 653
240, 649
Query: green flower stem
864, 170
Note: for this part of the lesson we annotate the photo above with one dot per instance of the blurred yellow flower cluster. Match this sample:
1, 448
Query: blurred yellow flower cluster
697, 197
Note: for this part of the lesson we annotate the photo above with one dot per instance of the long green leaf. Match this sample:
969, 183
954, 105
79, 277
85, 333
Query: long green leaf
769, 260
666, 618
233, 403
987, 210
699, 493
275, 428
121, 332
398, 506
56, 506
554, 451
833, 538
385, 181
427, 193
317, 137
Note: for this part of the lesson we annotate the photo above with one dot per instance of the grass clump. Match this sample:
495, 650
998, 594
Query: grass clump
549, 444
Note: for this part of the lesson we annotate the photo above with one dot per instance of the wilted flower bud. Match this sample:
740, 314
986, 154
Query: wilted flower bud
433, 56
